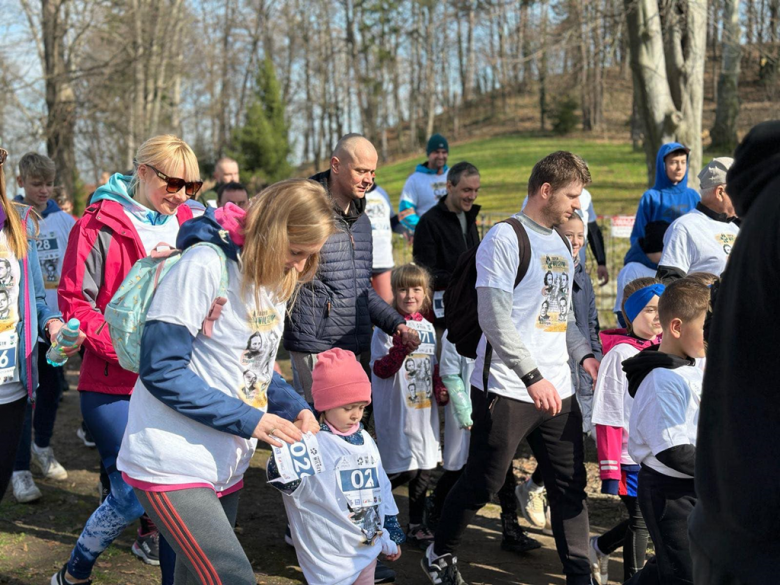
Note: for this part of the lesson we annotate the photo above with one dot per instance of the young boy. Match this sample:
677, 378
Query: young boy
666, 386
36, 177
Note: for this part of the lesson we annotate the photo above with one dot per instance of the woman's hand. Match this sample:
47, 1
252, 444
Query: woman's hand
54, 326
273, 429
307, 422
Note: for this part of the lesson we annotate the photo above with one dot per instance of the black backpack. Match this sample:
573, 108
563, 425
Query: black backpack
460, 297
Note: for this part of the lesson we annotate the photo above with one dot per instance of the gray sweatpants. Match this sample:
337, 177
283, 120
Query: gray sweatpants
199, 527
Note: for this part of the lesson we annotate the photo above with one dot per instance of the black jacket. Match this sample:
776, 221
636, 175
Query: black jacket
737, 468
338, 307
439, 242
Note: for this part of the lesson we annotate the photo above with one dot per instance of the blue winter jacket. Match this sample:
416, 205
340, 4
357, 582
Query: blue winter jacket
587, 318
663, 202
338, 307
164, 366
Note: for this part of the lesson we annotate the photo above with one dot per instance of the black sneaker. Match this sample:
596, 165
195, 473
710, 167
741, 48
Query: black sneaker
383, 573
514, 537
419, 535
442, 571
147, 548
59, 578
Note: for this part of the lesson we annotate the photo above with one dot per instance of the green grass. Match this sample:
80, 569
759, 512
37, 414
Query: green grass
505, 162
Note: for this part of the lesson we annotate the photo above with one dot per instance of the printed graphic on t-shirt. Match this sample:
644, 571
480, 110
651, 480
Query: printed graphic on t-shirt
378, 213
49, 256
439, 189
554, 309
726, 240
417, 379
7, 311
258, 357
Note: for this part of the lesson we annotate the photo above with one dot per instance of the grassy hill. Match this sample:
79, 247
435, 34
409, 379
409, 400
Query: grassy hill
505, 162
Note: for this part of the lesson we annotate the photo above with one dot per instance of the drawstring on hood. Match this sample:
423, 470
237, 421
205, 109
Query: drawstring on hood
638, 367
118, 189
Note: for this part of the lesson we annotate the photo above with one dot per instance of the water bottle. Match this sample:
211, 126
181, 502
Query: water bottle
66, 337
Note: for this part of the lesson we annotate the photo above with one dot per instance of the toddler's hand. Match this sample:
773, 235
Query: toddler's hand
394, 557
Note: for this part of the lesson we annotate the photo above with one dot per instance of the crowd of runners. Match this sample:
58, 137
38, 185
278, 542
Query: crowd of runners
183, 298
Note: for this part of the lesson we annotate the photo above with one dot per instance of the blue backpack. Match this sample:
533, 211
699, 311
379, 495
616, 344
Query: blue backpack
126, 313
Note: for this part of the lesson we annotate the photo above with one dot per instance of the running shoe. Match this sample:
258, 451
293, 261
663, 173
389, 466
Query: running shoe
25, 490
147, 548
514, 538
443, 570
50, 468
599, 562
383, 573
532, 503
83, 433
59, 578
418, 534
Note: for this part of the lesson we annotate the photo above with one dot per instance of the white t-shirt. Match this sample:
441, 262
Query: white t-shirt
165, 447
379, 211
151, 235
423, 191
405, 412
456, 439
665, 414
11, 388
697, 243
330, 537
540, 307
611, 400
628, 273
53, 234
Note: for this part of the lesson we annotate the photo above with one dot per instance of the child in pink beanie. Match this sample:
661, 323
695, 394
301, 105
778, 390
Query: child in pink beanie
344, 516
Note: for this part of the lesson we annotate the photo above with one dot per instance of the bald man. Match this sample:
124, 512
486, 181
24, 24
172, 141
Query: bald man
225, 171
339, 307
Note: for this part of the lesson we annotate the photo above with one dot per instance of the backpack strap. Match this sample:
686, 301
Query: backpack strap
524, 249
221, 299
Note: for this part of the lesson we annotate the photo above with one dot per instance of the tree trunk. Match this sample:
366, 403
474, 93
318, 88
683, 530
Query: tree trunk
543, 66
668, 65
471, 62
724, 132
431, 71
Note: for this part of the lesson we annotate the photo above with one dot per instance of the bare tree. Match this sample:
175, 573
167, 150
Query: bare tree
724, 132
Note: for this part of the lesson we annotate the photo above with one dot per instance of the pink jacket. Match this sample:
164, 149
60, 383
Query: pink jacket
609, 439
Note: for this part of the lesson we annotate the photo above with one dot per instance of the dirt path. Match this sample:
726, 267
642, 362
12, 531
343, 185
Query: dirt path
36, 539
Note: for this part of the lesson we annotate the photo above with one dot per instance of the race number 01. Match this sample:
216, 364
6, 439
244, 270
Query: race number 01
362, 478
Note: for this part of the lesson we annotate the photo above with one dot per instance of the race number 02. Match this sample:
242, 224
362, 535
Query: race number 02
300, 459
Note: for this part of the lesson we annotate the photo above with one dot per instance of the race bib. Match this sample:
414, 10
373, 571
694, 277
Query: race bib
9, 343
298, 460
427, 336
49, 257
358, 479
438, 304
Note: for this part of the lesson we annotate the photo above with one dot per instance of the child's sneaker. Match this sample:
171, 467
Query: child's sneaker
25, 490
85, 436
532, 502
59, 578
443, 570
383, 573
147, 548
514, 537
418, 534
43, 458
599, 562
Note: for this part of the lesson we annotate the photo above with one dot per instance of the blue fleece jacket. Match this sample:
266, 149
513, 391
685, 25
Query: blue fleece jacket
164, 366
665, 201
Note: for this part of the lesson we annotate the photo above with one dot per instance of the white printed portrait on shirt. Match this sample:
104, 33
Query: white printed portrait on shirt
258, 357
50, 259
417, 380
554, 308
7, 310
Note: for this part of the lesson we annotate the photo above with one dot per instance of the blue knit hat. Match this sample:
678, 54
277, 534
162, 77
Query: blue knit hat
436, 142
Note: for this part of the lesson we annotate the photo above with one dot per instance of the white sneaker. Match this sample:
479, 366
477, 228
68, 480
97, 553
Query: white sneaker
547, 522
24, 487
599, 563
532, 503
43, 458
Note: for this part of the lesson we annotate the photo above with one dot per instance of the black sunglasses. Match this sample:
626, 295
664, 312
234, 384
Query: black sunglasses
174, 185
3, 156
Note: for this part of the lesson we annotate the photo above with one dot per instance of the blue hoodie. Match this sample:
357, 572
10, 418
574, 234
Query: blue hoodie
663, 202
164, 366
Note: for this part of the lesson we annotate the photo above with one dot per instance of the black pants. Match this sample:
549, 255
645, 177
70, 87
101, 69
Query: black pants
11, 423
500, 424
707, 572
666, 503
418, 481
506, 495
631, 534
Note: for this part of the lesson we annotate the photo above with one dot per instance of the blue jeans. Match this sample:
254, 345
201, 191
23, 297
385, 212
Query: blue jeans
41, 419
106, 417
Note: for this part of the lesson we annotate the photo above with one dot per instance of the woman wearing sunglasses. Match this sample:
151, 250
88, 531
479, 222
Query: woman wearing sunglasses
128, 218
25, 316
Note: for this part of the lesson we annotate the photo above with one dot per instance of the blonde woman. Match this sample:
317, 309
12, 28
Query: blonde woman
23, 317
129, 216
194, 422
